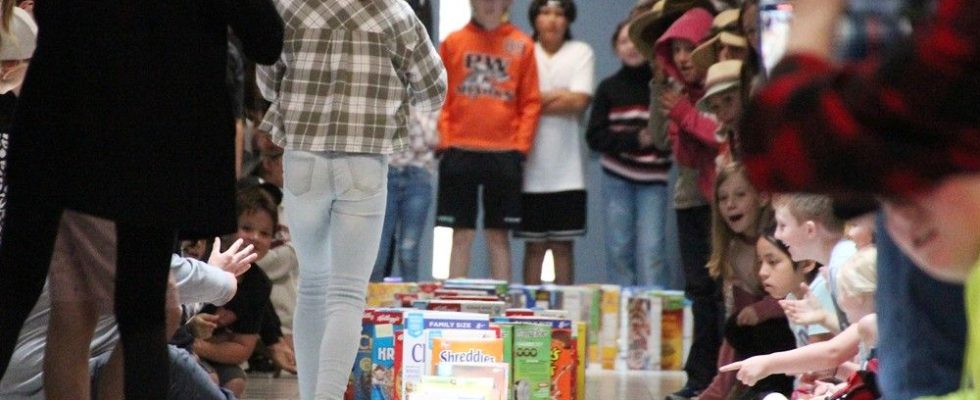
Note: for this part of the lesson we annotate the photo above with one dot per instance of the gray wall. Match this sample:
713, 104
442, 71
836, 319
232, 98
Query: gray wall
594, 25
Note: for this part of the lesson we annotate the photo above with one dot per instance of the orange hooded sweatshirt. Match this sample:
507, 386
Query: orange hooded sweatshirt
493, 101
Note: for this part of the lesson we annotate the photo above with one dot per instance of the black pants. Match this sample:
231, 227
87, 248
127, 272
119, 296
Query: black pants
694, 230
143, 263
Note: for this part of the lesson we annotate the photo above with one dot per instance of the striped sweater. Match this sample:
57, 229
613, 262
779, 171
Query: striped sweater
620, 110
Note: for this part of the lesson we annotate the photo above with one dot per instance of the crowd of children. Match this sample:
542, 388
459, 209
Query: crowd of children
783, 283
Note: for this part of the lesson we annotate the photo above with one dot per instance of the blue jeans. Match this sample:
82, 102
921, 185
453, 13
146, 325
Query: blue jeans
336, 204
636, 216
188, 381
409, 198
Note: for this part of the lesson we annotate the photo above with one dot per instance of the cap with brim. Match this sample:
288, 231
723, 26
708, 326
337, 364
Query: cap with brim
707, 53
19, 42
647, 27
721, 77
637, 29
717, 89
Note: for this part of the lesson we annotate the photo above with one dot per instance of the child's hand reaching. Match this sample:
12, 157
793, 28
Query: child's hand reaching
805, 311
750, 370
232, 260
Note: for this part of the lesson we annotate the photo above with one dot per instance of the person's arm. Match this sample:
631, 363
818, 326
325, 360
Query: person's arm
426, 73
528, 103
574, 99
768, 308
600, 134
444, 124
812, 357
657, 125
213, 282
236, 350
924, 92
279, 262
692, 122
563, 102
258, 25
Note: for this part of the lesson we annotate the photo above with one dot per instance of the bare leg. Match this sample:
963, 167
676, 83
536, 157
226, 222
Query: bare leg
66, 374
533, 257
459, 258
499, 245
564, 261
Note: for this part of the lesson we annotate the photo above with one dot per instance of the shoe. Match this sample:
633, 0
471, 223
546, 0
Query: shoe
685, 393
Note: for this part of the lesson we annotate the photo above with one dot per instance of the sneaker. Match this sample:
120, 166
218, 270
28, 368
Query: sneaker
685, 393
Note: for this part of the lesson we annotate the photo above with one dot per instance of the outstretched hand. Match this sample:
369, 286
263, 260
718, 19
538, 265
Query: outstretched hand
804, 311
750, 371
232, 260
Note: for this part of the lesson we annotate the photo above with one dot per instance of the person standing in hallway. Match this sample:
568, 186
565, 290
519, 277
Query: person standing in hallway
487, 128
95, 133
340, 98
554, 200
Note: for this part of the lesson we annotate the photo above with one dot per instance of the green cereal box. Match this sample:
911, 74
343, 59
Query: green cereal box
532, 362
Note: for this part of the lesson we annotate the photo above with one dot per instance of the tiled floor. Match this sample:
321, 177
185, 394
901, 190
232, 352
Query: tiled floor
602, 385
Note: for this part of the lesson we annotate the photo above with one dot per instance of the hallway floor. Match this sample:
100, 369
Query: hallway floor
602, 385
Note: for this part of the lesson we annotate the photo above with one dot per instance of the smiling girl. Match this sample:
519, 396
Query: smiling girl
739, 213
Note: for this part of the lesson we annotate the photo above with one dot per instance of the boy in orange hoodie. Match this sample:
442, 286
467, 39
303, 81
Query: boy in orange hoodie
487, 126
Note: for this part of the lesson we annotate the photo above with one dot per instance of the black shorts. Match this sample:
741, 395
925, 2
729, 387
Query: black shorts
463, 173
553, 216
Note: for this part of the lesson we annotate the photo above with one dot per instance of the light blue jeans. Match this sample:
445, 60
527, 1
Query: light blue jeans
409, 198
636, 216
336, 204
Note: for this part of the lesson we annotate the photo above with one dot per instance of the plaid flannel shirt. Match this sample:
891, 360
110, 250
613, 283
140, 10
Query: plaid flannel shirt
348, 72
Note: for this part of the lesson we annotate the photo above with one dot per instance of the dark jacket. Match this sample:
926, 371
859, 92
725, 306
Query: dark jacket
124, 113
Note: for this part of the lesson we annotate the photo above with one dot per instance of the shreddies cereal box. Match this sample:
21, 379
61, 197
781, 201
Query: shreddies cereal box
422, 326
474, 351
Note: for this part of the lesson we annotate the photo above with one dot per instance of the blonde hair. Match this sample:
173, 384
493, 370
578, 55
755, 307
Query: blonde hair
719, 265
810, 207
858, 275
6, 13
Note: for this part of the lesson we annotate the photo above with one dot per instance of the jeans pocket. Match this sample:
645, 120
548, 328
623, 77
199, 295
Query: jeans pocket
368, 174
298, 172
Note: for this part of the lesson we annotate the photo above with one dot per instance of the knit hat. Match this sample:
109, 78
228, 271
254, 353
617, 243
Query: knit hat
722, 76
647, 27
20, 41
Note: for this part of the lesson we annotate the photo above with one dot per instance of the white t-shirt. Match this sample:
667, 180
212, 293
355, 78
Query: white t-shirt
555, 163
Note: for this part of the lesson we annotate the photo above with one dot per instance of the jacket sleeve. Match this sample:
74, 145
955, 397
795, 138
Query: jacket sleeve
658, 122
598, 133
443, 126
426, 73
528, 103
695, 124
199, 282
768, 308
259, 26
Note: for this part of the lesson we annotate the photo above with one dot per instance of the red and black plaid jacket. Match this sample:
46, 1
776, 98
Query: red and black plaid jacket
892, 125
